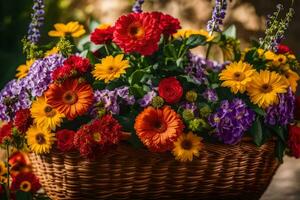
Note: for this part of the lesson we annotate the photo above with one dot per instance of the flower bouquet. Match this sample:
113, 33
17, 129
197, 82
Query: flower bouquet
133, 113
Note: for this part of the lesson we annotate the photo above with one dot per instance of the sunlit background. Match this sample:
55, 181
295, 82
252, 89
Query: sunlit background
247, 15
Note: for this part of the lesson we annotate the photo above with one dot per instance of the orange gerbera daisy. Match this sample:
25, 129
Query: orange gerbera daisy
158, 129
70, 98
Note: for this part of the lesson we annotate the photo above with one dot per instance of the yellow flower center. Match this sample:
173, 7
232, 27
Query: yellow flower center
136, 30
49, 111
186, 144
97, 137
40, 138
70, 97
25, 186
266, 88
238, 76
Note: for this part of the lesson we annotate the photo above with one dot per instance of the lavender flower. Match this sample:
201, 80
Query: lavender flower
210, 95
111, 100
137, 7
39, 75
231, 120
282, 113
147, 99
37, 18
218, 16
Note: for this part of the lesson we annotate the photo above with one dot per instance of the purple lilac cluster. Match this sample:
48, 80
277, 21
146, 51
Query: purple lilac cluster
37, 18
147, 99
210, 95
231, 120
112, 99
218, 16
39, 75
137, 7
198, 68
282, 113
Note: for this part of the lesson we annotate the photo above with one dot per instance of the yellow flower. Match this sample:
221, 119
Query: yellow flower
237, 76
265, 87
52, 51
292, 78
73, 28
187, 146
110, 68
279, 60
39, 141
23, 70
260, 52
103, 26
291, 57
185, 33
3, 169
269, 55
45, 117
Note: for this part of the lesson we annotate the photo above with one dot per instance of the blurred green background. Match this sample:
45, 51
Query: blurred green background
248, 15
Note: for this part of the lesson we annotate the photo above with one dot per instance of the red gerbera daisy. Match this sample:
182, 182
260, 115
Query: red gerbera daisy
102, 34
26, 182
23, 120
97, 135
78, 63
71, 98
168, 24
5, 132
65, 140
138, 32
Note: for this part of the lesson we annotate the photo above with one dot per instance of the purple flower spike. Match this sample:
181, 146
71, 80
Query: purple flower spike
137, 7
218, 16
37, 20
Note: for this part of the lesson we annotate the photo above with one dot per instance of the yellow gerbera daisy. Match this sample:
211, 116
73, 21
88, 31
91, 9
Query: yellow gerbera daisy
3, 169
73, 28
237, 76
185, 33
52, 51
23, 70
45, 117
292, 78
110, 68
269, 55
265, 87
39, 141
279, 60
187, 146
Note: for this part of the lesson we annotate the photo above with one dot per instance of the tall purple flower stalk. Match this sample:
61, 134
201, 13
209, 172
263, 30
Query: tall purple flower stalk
137, 7
282, 113
37, 19
231, 121
218, 16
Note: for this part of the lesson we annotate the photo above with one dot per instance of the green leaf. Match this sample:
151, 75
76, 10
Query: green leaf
23, 195
196, 40
230, 32
136, 77
91, 57
257, 110
256, 132
137, 91
279, 132
280, 149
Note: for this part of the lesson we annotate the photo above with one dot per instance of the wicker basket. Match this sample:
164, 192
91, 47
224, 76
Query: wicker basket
242, 171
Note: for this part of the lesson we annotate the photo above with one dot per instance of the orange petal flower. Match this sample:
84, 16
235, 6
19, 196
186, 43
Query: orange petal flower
158, 129
70, 98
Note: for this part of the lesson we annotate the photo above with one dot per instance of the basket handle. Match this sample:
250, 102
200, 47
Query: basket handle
137, 7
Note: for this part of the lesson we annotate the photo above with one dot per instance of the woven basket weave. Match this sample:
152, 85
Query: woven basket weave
235, 172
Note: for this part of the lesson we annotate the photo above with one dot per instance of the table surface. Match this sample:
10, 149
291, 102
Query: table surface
286, 182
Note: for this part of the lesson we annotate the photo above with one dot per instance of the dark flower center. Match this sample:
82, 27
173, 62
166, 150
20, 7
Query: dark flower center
159, 126
49, 111
136, 30
40, 138
25, 186
186, 144
265, 88
70, 97
238, 76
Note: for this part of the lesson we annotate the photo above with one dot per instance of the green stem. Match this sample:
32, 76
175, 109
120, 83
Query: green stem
208, 50
8, 173
106, 49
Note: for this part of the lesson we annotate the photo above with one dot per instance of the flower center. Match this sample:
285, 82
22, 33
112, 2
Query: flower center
159, 126
49, 111
25, 186
70, 97
265, 88
40, 138
186, 144
97, 137
136, 30
238, 76
111, 69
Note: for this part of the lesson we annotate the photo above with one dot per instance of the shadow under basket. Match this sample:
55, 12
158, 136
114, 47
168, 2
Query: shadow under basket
242, 171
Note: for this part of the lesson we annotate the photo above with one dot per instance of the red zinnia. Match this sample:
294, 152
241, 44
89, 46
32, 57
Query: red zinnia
62, 73
138, 32
5, 132
65, 140
102, 35
168, 24
283, 49
19, 163
170, 90
23, 120
294, 140
26, 182
78, 63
